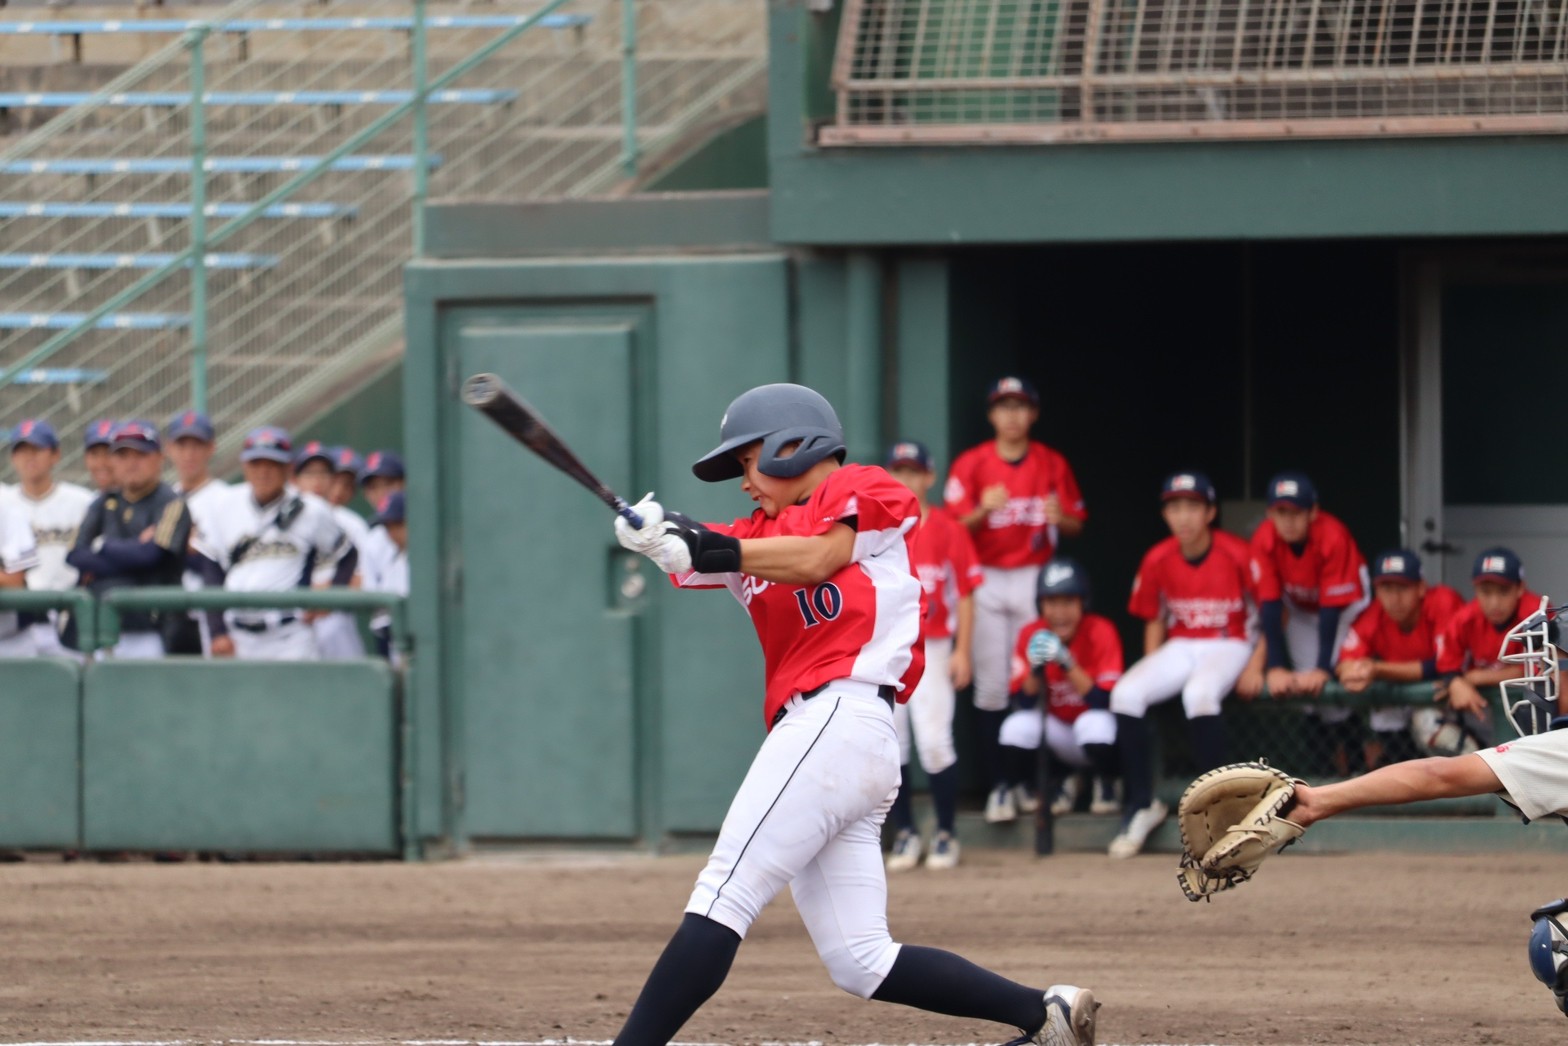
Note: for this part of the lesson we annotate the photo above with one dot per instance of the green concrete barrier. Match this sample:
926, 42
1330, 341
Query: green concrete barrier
40, 725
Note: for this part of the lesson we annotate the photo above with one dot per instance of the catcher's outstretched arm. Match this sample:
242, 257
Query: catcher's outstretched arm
1441, 777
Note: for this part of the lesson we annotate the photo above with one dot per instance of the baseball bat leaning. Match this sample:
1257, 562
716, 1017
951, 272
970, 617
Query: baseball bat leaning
490, 395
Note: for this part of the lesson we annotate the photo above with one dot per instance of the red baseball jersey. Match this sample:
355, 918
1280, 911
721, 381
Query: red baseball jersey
1328, 572
1015, 535
948, 569
1203, 600
1096, 647
1374, 634
1471, 641
863, 623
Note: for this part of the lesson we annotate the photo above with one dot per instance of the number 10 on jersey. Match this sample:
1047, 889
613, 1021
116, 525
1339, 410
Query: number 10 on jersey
820, 603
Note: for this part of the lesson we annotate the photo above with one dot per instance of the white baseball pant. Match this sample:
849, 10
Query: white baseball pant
1202, 671
337, 636
1066, 740
135, 646
295, 641
46, 641
809, 814
1301, 642
1004, 604
928, 715
19, 644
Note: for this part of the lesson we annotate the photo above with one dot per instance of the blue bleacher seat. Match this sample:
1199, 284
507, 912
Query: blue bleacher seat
59, 376
293, 25
215, 164
113, 321
68, 209
215, 260
66, 99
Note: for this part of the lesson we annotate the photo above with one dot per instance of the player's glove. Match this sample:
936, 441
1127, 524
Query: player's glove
647, 537
1231, 819
1046, 646
710, 551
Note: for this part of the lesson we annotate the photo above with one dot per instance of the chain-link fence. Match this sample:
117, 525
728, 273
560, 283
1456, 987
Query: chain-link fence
1060, 70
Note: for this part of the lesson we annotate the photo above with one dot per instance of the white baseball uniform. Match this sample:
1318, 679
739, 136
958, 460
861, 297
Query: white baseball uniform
384, 570
337, 633
54, 518
203, 503
271, 548
18, 554
1534, 772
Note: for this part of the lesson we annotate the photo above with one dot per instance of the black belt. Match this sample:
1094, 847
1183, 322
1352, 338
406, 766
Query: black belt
262, 626
886, 692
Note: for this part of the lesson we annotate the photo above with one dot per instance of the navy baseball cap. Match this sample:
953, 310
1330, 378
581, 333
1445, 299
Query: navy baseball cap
909, 452
268, 443
393, 509
138, 434
383, 463
1188, 485
1292, 488
100, 433
347, 459
313, 451
34, 433
1014, 388
1061, 576
191, 424
1399, 564
1498, 564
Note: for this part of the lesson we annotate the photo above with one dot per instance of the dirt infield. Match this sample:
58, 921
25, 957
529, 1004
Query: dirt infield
1323, 949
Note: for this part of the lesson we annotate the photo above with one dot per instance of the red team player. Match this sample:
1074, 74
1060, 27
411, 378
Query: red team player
824, 568
1017, 497
1395, 640
1467, 649
1075, 657
949, 572
1193, 592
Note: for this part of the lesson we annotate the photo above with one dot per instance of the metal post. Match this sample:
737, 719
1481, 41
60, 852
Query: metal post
863, 355
421, 128
629, 87
198, 39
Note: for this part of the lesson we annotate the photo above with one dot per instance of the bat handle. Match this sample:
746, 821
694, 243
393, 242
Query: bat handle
627, 513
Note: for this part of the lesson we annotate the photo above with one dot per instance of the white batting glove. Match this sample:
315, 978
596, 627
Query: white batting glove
650, 534
1047, 646
670, 553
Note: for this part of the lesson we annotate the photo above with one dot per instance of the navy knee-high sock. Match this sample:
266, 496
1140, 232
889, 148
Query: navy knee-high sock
1102, 760
1207, 733
693, 965
903, 813
944, 797
941, 982
993, 768
1135, 745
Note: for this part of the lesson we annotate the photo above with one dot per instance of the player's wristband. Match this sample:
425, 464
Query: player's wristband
711, 552
1099, 698
1428, 670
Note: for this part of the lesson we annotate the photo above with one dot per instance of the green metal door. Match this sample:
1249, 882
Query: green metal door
548, 599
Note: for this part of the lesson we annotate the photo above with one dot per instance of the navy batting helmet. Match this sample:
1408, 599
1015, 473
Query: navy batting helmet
1062, 576
777, 415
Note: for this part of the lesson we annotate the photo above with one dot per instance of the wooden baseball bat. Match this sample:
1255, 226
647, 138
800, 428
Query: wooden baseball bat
490, 395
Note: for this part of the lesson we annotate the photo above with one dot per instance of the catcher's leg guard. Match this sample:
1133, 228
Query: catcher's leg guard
1549, 950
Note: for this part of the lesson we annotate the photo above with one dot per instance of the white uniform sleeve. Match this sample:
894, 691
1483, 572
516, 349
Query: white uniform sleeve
18, 551
213, 540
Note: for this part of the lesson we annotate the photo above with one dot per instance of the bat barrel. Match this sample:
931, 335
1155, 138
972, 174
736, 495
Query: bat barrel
481, 390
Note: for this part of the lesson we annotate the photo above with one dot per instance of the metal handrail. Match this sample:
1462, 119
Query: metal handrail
173, 597
80, 602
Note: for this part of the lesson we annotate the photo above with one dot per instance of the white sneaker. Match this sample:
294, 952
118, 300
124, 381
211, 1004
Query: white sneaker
944, 852
1107, 796
1066, 797
1025, 800
1136, 831
1000, 807
905, 853
1069, 1018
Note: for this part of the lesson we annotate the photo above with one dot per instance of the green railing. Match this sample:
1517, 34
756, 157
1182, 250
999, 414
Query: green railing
316, 305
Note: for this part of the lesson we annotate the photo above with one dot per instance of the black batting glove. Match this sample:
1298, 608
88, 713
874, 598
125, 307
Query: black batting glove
711, 552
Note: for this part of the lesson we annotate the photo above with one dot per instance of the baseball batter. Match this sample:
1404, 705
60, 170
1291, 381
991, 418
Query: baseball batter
269, 537
315, 470
54, 511
824, 567
18, 555
949, 572
1194, 592
1075, 658
1017, 497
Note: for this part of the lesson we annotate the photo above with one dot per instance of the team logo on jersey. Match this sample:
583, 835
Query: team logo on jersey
751, 587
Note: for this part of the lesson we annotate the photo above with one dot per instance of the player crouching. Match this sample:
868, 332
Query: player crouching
1076, 658
824, 569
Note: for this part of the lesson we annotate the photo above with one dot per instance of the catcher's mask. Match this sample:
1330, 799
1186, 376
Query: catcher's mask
1531, 699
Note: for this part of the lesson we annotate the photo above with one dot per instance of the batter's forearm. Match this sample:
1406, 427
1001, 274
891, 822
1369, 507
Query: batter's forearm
798, 560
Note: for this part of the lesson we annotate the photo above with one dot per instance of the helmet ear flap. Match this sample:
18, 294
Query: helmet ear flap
814, 446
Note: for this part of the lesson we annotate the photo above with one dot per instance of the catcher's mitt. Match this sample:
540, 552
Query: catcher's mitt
1230, 821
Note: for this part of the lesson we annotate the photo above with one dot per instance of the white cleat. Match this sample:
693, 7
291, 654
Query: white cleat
1000, 807
1069, 1017
905, 854
1107, 797
1024, 800
1066, 797
1129, 843
944, 853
